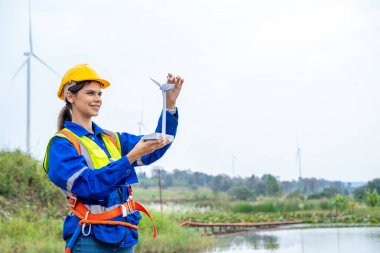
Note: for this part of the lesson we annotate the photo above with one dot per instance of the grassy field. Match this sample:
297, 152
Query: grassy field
32, 211
20, 235
171, 237
42, 234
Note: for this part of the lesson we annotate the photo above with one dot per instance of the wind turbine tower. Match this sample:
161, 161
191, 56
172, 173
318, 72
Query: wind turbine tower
141, 122
27, 62
298, 160
234, 159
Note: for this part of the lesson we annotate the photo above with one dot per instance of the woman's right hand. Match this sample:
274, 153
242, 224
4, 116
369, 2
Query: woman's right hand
144, 147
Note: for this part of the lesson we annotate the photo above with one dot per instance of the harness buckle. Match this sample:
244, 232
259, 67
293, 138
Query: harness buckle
124, 210
130, 208
72, 201
84, 225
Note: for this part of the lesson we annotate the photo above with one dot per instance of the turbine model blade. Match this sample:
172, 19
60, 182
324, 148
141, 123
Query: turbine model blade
46, 65
22, 65
167, 86
159, 85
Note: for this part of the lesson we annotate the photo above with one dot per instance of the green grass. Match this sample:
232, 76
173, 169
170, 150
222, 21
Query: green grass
32, 211
34, 233
171, 237
40, 235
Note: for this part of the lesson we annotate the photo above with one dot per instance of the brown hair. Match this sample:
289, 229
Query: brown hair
65, 113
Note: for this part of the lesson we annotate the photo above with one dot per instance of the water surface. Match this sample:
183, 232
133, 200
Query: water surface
302, 240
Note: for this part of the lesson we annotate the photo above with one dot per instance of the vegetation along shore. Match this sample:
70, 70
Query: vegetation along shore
32, 209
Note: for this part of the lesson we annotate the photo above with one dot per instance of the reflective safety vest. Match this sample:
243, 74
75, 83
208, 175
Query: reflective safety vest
96, 158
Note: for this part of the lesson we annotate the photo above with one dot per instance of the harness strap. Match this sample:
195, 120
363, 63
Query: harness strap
82, 212
88, 218
75, 142
112, 140
141, 208
72, 139
81, 209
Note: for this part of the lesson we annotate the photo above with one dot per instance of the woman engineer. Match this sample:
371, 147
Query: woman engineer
94, 167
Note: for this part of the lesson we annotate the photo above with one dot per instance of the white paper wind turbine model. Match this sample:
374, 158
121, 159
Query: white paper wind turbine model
154, 136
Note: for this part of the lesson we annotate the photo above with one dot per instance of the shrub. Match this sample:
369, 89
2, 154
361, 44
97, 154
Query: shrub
371, 199
243, 208
241, 193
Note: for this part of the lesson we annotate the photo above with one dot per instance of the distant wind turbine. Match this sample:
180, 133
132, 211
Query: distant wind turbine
298, 160
141, 122
27, 62
234, 159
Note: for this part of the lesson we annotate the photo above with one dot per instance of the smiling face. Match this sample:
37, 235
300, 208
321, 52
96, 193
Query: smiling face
87, 102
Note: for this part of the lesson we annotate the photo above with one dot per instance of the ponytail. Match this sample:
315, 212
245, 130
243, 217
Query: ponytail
64, 115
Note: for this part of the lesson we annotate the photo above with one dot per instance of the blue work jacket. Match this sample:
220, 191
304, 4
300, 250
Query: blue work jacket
107, 186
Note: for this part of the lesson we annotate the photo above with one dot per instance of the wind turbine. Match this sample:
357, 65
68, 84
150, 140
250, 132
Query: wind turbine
298, 159
27, 62
234, 158
164, 88
141, 122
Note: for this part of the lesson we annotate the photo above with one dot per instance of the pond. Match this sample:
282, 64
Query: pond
302, 240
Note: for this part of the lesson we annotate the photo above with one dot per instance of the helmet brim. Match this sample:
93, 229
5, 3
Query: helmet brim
104, 84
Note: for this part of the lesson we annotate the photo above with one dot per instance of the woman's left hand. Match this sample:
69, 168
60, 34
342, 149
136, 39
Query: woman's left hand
172, 95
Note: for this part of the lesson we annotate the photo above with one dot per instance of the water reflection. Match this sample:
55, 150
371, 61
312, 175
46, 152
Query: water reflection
301, 240
246, 240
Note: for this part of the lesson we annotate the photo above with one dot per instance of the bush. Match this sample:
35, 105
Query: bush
326, 193
371, 199
325, 204
341, 204
266, 207
241, 193
243, 208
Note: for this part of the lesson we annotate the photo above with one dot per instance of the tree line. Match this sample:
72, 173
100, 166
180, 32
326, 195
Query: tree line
253, 186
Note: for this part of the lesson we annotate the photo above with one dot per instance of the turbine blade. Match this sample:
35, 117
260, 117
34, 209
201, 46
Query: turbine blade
159, 85
30, 28
45, 64
167, 86
22, 65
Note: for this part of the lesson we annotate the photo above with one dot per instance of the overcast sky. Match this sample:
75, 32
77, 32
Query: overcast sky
258, 76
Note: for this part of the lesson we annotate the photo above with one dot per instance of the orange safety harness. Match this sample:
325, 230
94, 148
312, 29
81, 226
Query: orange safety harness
88, 218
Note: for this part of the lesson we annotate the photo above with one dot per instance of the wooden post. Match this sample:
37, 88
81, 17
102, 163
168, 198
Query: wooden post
159, 186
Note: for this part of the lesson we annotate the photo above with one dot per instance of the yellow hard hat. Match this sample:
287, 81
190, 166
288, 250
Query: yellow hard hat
78, 73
